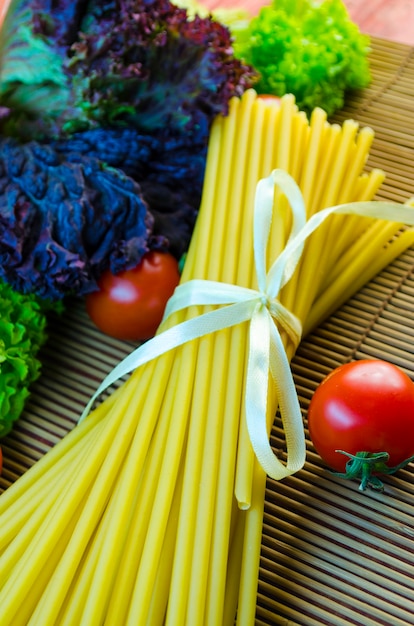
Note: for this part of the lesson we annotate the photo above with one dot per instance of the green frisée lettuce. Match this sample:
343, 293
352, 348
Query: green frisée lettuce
306, 47
23, 326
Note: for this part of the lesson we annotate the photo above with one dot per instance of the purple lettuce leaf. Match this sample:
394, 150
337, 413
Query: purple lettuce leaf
170, 172
142, 63
63, 222
139, 63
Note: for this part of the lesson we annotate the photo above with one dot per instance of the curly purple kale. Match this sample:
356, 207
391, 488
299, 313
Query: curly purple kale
62, 222
170, 172
122, 94
168, 160
142, 63
137, 63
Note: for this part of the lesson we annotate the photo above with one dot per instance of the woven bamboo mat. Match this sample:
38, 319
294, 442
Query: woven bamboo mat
330, 554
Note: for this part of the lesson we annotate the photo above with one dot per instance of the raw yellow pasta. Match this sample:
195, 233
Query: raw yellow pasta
150, 512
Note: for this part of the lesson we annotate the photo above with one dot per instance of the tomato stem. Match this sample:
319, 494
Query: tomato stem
365, 466
181, 262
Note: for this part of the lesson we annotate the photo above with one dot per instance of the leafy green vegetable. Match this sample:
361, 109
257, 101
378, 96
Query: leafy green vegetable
136, 63
169, 171
135, 84
306, 47
64, 221
32, 76
22, 332
145, 65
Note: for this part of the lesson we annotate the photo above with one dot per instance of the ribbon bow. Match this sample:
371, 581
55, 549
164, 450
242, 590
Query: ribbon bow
266, 349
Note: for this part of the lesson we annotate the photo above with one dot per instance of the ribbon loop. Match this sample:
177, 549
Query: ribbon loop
271, 281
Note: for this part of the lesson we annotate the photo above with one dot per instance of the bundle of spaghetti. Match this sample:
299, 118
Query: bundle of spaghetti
150, 511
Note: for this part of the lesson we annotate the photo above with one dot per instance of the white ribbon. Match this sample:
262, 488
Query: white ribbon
266, 349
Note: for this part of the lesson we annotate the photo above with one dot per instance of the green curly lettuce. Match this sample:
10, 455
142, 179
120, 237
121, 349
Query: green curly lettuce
309, 48
23, 324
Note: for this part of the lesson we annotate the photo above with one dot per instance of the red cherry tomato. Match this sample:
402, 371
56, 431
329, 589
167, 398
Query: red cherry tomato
364, 408
131, 304
270, 99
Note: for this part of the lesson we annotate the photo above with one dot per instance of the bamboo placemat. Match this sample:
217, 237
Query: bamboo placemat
330, 554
